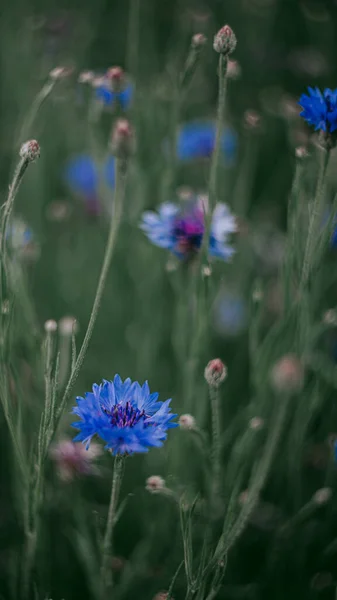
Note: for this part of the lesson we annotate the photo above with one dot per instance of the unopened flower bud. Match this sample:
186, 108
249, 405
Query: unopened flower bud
60, 73
256, 423
252, 119
301, 152
68, 326
122, 142
233, 69
116, 78
206, 271
50, 326
155, 484
215, 372
86, 77
198, 40
30, 150
287, 375
322, 496
161, 596
187, 422
225, 40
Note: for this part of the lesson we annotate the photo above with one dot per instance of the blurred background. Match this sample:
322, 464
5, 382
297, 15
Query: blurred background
62, 225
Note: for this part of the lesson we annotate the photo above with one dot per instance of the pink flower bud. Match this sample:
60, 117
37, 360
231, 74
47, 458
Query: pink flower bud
225, 40
161, 596
256, 423
233, 69
301, 152
68, 326
322, 496
198, 40
72, 459
50, 326
116, 78
215, 372
287, 375
30, 150
122, 141
155, 484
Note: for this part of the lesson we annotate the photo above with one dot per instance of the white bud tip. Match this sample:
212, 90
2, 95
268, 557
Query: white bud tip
50, 326
187, 422
30, 150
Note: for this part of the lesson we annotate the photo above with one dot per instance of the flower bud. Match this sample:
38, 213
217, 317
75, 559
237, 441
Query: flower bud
252, 119
322, 496
60, 73
256, 423
86, 77
330, 317
50, 326
199, 40
161, 596
233, 69
122, 141
225, 41
68, 326
155, 484
215, 372
287, 375
187, 422
301, 152
116, 78
30, 150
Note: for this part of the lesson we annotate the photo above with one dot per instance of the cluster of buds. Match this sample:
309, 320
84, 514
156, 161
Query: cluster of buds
122, 140
287, 375
30, 150
215, 372
225, 41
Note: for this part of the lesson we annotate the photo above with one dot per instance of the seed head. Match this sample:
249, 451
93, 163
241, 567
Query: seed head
122, 141
322, 496
155, 484
287, 375
50, 326
225, 41
30, 150
198, 40
187, 422
68, 325
215, 372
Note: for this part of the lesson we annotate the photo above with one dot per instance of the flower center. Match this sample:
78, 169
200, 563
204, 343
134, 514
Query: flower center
189, 234
124, 416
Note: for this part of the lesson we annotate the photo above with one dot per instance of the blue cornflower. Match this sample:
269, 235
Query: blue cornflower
320, 109
125, 415
197, 139
180, 229
83, 176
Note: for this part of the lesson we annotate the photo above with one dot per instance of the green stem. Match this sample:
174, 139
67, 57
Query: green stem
315, 220
114, 227
213, 180
37, 103
107, 541
216, 445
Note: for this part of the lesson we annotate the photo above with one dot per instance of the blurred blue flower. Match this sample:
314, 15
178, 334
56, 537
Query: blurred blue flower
180, 229
197, 139
125, 415
83, 176
320, 109
109, 97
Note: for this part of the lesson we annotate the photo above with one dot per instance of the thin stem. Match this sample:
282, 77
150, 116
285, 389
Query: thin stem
107, 541
37, 103
213, 180
216, 445
114, 226
315, 220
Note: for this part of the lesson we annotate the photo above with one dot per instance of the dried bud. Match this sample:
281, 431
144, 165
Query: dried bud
116, 78
60, 73
86, 77
287, 375
155, 484
198, 40
50, 326
256, 423
322, 496
225, 41
68, 326
215, 372
252, 119
122, 142
187, 422
301, 152
30, 150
